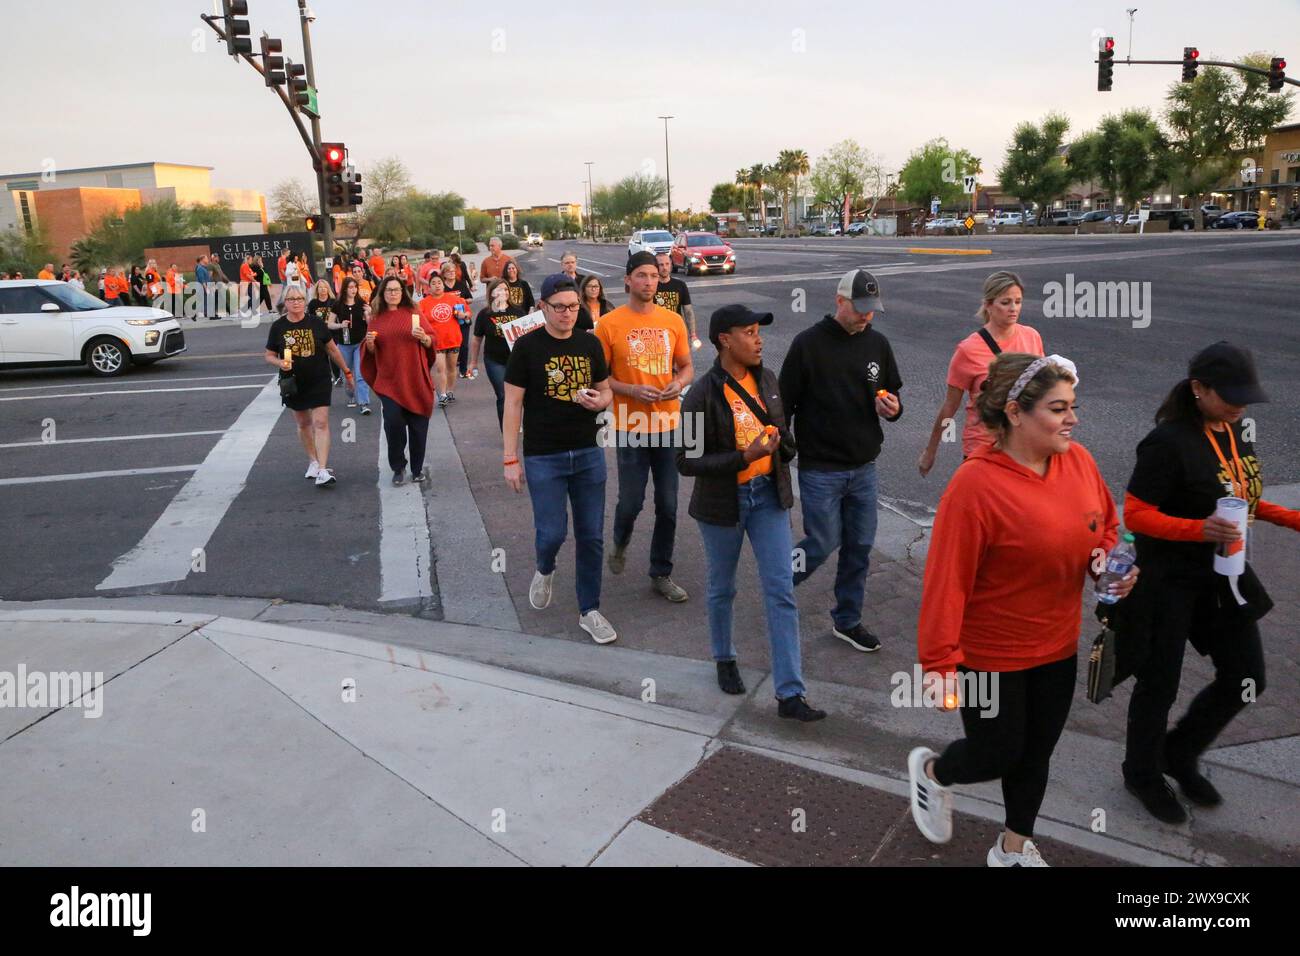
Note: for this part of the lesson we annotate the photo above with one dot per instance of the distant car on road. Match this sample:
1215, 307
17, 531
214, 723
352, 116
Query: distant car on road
46, 322
702, 252
650, 240
535, 239
1236, 220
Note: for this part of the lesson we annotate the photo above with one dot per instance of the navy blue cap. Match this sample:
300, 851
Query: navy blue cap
557, 282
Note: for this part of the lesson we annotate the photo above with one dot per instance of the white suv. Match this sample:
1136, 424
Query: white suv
534, 239
1008, 219
45, 322
650, 240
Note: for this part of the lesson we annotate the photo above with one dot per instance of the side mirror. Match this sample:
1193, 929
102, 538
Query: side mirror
50, 307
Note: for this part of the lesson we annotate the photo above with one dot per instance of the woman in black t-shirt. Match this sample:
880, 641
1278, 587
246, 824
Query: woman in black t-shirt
301, 347
139, 294
263, 281
1197, 453
490, 343
521, 293
348, 320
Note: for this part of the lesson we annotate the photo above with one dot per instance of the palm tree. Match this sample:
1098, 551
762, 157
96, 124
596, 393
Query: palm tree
742, 180
792, 163
758, 174
800, 166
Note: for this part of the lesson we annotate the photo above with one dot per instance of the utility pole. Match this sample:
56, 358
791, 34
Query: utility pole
327, 230
591, 204
668, 176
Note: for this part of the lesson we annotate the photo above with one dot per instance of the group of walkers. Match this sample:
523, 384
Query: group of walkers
1016, 535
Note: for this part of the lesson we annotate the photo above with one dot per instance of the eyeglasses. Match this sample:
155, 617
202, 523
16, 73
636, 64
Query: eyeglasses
564, 308
295, 298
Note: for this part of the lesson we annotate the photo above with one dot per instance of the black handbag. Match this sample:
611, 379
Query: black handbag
1101, 661
288, 387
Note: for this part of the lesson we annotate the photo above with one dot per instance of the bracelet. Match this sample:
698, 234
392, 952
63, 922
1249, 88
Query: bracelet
511, 461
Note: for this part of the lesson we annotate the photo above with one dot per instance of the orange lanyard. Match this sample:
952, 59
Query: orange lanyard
1236, 472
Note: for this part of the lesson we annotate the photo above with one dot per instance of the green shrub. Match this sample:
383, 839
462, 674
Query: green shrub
511, 241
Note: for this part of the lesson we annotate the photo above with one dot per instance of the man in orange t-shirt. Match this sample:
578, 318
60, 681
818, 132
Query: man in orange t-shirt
493, 265
648, 351
376, 262
47, 272
246, 283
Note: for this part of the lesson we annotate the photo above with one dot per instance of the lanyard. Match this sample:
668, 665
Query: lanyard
1236, 472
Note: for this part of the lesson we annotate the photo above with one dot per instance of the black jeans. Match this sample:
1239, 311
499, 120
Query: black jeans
1233, 644
635, 467
1015, 745
400, 426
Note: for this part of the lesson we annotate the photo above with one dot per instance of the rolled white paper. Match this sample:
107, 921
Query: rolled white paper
1230, 557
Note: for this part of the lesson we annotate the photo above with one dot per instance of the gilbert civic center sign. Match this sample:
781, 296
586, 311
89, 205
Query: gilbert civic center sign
232, 249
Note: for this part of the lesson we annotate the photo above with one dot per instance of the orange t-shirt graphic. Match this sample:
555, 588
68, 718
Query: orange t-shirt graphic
748, 427
641, 349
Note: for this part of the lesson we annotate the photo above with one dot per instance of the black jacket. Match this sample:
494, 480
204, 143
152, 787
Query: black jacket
713, 460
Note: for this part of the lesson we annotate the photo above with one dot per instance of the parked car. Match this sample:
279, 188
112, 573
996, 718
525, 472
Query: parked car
1007, 219
1177, 218
1134, 218
942, 222
702, 252
650, 240
1063, 217
535, 239
1236, 220
858, 228
825, 229
1096, 215
1211, 211
46, 322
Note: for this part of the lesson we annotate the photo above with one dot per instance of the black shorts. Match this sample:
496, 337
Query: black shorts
311, 394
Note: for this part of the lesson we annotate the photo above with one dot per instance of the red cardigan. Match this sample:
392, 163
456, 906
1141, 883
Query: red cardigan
398, 368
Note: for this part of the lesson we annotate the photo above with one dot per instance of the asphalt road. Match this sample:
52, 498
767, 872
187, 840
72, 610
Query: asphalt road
272, 534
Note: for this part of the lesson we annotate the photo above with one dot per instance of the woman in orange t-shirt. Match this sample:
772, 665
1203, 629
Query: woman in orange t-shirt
443, 311
969, 367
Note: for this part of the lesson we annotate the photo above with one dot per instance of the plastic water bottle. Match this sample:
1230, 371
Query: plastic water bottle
1119, 562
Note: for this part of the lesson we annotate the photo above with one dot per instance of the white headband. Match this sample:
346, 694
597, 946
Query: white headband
1036, 366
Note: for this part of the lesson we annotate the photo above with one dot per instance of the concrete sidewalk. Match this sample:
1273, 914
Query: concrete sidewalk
325, 736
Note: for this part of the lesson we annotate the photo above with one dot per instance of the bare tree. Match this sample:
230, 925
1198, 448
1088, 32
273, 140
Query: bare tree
385, 183
291, 201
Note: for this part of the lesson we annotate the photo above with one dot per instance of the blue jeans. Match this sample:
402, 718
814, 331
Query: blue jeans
839, 511
496, 373
352, 355
579, 477
635, 466
768, 526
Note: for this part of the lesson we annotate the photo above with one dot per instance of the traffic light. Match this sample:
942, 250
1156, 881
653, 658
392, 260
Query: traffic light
237, 30
353, 179
272, 64
1105, 63
1190, 53
1276, 73
297, 85
333, 160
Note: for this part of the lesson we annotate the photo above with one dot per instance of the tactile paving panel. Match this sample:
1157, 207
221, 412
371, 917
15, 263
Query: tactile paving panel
774, 813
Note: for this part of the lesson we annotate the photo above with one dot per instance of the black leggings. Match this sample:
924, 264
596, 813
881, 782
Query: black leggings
1234, 646
399, 425
1015, 745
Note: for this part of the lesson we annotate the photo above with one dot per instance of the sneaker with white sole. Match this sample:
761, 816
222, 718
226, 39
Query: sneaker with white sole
312, 470
539, 592
1028, 855
325, 477
931, 803
601, 631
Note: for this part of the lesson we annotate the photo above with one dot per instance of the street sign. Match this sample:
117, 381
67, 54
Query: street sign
458, 223
1144, 213
934, 206
312, 106
969, 222
968, 183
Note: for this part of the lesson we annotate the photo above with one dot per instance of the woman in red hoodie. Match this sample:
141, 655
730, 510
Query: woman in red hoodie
395, 364
1018, 528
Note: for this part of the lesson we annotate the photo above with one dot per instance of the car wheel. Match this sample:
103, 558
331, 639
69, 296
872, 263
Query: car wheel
1187, 227
107, 357
1241, 225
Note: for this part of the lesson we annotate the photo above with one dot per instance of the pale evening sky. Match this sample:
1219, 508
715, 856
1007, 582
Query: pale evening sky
585, 81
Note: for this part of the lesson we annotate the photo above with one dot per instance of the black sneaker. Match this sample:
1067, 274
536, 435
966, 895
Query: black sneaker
398, 480
729, 678
798, 708
1159, 799
857, 637
1194, 786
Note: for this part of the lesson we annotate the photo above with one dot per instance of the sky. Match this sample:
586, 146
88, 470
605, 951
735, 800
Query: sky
505, 102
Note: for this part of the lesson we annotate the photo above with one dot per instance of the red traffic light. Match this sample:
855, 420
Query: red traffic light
1110, 43
333, 156
1193, 53
1281, 64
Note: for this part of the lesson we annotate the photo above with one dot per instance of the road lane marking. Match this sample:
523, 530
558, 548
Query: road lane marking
189, 521
128, 391
405, 552
922, 251
82, 441
87, 475
100, 383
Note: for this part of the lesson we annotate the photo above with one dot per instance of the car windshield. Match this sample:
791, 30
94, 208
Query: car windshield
73, 299
656, 237
703, 241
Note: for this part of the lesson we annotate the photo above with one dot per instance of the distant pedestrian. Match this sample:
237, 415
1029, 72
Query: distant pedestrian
441, 310
569, 267
262, 278
556, 385
348, 316
138, 289
490, 341
838, 381
674, 295
247, 285
1014, 540
494, 263
463, 317
398, 352
75, 280
202, 281
1001, 332
594, 303
521, 293
47, 271
217, 277
300, 346
742, 488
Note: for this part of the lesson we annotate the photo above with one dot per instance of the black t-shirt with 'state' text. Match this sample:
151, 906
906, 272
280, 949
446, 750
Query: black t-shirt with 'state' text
551, 371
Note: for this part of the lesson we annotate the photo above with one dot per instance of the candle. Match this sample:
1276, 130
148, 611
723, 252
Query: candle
415, 322
695, 343
288, 355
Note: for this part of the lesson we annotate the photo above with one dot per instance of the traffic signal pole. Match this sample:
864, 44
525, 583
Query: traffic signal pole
1234, 66
327, 227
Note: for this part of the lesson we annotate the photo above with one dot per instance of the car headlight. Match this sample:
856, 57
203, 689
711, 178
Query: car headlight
141, 321
151, 337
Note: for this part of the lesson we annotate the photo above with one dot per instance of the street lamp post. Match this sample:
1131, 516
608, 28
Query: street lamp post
591, 211
668, 176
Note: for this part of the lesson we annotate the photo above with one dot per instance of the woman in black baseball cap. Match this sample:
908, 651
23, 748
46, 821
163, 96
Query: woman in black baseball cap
1197, 453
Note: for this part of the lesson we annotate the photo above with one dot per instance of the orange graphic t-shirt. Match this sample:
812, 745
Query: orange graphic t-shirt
642, 349
377, 265
748, 427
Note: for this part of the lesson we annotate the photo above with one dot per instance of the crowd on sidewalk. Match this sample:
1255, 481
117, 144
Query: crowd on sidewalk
1026, 521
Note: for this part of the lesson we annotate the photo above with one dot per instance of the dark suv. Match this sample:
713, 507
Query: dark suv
1177, 218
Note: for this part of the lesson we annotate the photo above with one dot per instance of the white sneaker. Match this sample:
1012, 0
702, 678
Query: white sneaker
931, 803
539, 592
325, 477
313, 469
601, 631
1028, 855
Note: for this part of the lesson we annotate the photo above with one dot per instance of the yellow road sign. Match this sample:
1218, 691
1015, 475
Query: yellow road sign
970, 222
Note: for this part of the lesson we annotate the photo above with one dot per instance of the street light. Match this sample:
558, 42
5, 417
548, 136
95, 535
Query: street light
591, 212
668, 176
